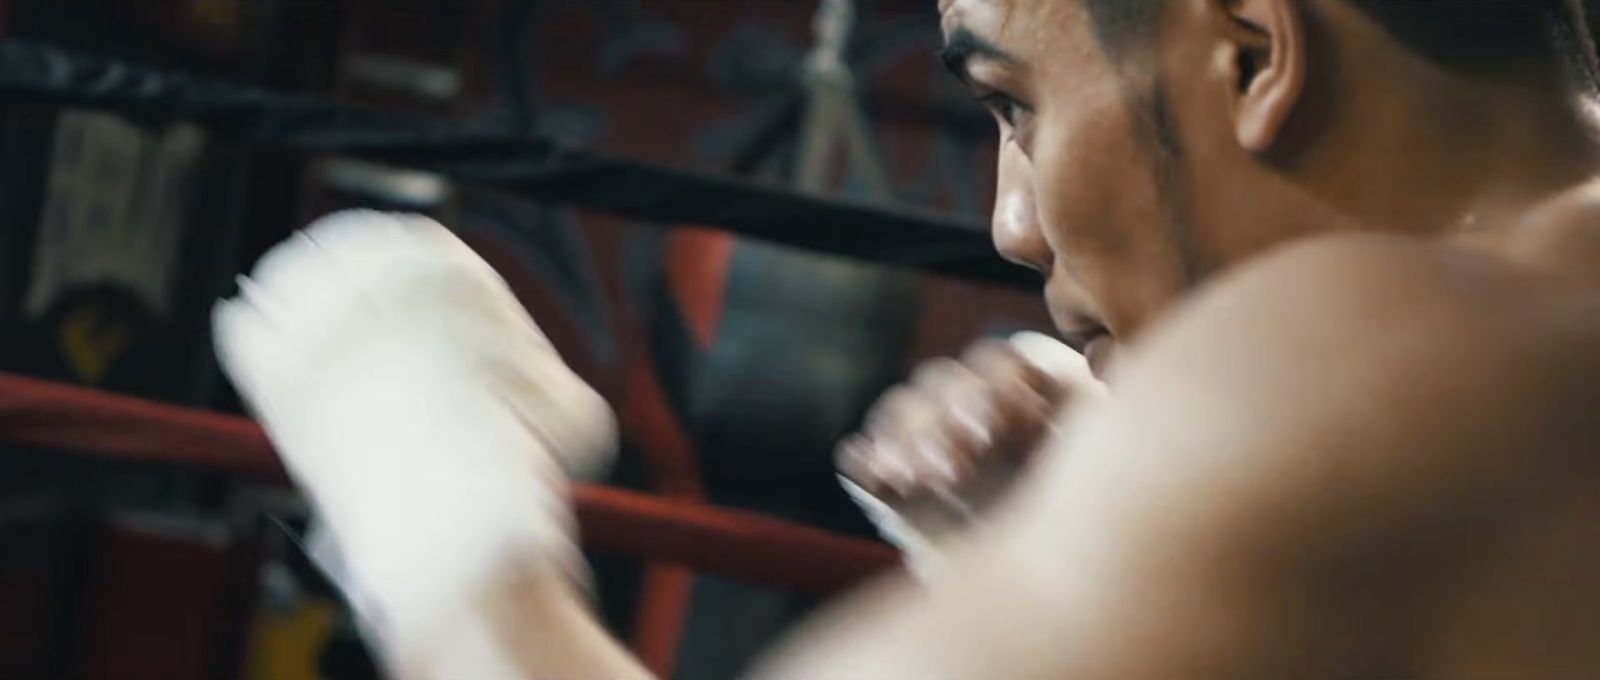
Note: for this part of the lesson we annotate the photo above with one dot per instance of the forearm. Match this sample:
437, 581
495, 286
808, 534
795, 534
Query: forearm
529, 624
434, 428
985, 617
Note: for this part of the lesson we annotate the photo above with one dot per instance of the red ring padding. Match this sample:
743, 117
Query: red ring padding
736, 544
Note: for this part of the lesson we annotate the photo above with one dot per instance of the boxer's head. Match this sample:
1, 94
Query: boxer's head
1146, 144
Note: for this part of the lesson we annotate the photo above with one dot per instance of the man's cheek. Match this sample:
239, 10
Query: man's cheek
1055, 180
1086, 172
1078, 201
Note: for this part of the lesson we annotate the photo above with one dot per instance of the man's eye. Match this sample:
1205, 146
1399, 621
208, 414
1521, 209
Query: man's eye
1004, 107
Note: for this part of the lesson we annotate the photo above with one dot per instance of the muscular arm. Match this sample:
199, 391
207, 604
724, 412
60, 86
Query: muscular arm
1282, 466
531, 623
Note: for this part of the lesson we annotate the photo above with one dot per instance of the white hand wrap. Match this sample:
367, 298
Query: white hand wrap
414, 401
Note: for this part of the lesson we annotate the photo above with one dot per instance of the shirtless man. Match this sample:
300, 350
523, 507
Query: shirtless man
1347, 253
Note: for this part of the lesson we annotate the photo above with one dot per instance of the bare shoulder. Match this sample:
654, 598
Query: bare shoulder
1344, 395
1278, 458
1562, 237
1422, 315
1447, 340
1285, 461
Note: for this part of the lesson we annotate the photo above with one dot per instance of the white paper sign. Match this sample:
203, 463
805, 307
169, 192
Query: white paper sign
113, 209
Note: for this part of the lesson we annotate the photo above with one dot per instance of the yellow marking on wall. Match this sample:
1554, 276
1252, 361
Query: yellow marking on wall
91, 341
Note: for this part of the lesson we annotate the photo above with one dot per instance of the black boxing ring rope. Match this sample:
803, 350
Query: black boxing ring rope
741, 545
534, 167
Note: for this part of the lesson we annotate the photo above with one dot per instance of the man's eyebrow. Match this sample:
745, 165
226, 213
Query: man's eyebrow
962, 46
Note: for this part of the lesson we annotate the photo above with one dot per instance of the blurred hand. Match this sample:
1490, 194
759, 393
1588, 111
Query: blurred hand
421, 410
937, 450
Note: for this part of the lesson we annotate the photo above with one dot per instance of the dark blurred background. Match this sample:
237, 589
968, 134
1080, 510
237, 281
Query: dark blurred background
734, 364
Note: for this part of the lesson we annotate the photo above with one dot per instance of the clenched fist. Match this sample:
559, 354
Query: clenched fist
934, 452
423, 413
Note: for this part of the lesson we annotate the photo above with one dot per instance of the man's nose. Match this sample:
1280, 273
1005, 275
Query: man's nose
1015, 226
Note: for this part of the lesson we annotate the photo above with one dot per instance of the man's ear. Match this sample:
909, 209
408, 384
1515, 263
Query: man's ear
1268, 41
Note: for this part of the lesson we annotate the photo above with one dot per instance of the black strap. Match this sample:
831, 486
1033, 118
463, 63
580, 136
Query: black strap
531, 166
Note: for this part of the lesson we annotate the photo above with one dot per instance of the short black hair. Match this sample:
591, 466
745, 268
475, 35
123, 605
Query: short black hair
1476, 35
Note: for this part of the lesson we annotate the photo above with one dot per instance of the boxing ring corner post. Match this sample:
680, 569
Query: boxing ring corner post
747, 546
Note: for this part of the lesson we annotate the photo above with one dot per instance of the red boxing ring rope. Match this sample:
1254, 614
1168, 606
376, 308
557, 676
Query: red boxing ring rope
736, 544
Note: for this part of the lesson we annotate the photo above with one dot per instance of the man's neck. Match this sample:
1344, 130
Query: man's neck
1488, 153
1427, 151
1539, 145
